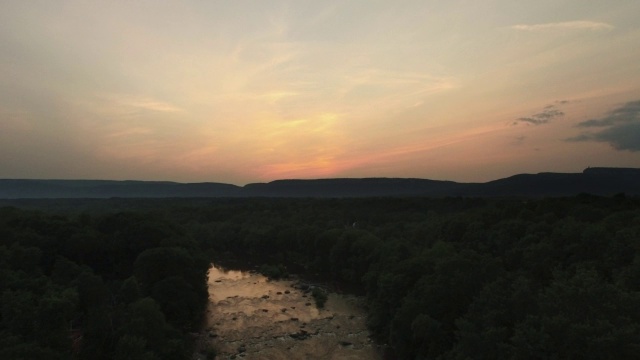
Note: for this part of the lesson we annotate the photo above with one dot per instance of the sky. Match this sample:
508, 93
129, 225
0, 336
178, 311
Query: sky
252, 91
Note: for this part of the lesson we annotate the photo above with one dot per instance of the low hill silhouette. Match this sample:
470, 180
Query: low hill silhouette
597, 181
28, 188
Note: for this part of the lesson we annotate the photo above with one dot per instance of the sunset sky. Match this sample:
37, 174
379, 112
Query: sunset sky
251, 91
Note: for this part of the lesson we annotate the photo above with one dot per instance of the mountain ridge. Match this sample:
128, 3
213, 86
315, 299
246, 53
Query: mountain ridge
596, 180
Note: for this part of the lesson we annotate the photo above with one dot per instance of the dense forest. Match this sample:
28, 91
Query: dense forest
452, 278
118, 286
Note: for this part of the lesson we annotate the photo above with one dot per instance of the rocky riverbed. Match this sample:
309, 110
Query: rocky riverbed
251, 317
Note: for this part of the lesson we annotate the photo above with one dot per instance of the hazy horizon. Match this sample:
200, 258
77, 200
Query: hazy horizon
254, 91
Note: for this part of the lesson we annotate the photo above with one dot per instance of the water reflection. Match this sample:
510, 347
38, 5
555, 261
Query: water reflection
255, 318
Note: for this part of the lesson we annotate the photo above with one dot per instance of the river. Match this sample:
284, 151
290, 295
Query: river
252, 317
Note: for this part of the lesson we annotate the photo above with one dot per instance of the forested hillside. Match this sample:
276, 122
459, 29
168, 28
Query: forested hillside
119, 286
451, 278
459, 278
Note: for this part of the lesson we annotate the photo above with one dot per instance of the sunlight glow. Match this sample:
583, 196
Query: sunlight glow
241, 92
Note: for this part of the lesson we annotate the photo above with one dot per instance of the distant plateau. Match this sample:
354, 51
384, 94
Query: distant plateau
596, 181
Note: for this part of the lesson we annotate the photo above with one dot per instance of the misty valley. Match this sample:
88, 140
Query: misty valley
304, 278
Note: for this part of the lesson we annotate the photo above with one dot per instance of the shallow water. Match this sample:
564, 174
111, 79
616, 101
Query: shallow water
251, 317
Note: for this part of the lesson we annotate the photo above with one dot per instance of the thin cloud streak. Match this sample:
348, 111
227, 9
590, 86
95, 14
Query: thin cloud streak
566, 25
548, 114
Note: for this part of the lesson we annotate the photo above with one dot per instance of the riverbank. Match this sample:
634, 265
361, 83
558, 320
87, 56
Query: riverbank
252, 317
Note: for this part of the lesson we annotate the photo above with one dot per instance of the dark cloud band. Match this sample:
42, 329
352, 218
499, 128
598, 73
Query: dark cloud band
620, 128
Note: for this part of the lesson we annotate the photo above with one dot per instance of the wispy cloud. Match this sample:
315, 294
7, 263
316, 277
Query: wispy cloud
392, 89
518, 140
620, 128
119, 105
150, 104
549, 113
565, 25
127, 132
